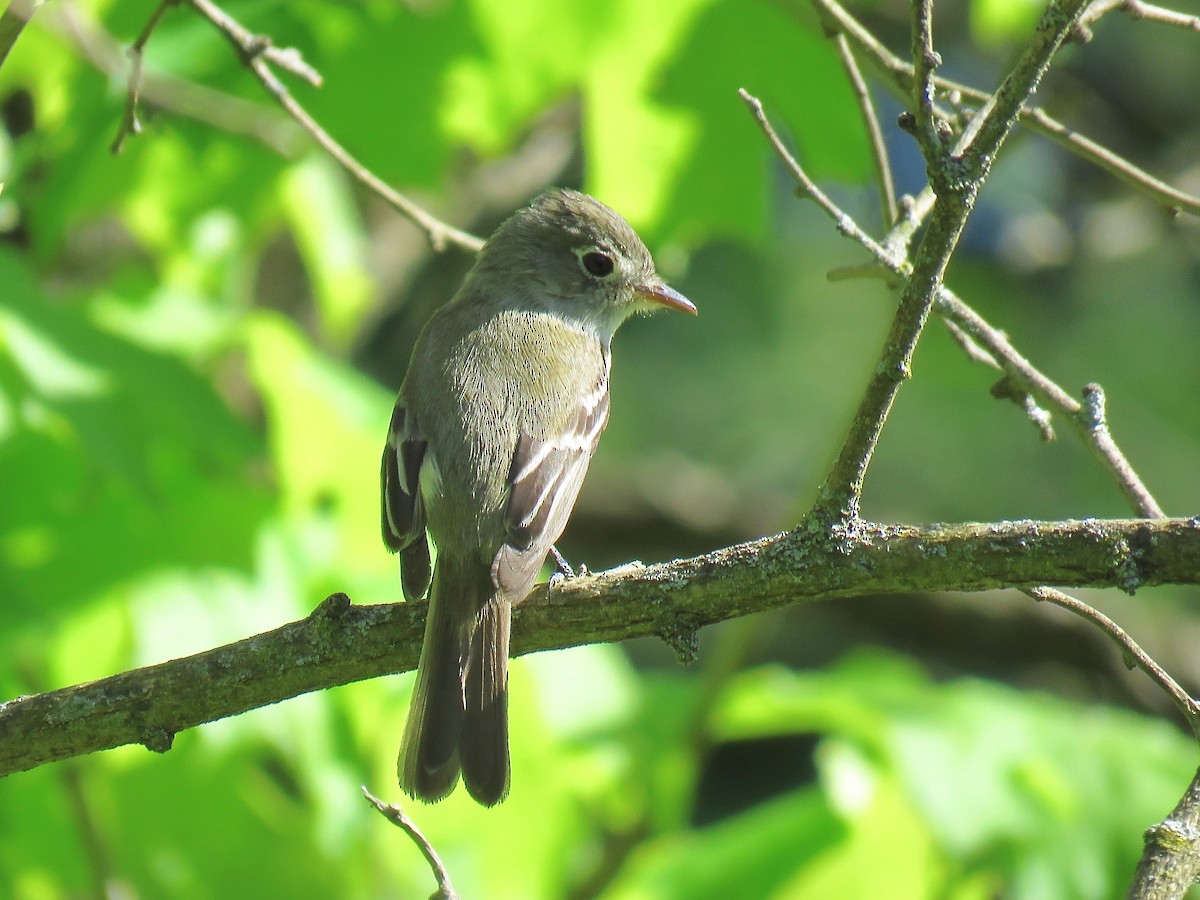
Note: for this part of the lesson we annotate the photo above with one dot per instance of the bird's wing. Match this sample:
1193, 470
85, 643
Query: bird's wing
402, 514
544, 480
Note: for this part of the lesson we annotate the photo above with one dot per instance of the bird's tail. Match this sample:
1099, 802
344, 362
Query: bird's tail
483, 748
458, 716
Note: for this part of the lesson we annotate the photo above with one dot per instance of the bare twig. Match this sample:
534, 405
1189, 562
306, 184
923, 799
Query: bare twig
233, 114
395, 815
13, 21
1169, 198
129, 119
913, 211
257, 46
883, 166
1170, 862
970, 349
845, 223
251, 49
1007, 387
1134, 655
1135, 9
1088, 418
925, 64
1138, 10
956, 177
899, 78
1026, 377
258, 54
1095, 419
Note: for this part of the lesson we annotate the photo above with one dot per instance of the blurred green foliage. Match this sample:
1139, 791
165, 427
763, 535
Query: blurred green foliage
189, 452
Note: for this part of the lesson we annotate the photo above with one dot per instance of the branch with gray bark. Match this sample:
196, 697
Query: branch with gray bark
340, 643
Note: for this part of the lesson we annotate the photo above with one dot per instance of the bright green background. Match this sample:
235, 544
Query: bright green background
189, 447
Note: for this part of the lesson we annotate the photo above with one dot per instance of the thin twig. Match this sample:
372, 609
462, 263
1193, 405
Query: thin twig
1136, 9
1172, 200
956, 177
925, 64
899, 77
285, 57
1095, 419
990, 339
250, 48
1148, 11
1134, 655
1171, 858
1096, 11
1088, 418
129, 119
1014, 364
264, 124
913, 211
845, 223
879, 154
13, 21
258, 46
395, 815
257, 54
970, 349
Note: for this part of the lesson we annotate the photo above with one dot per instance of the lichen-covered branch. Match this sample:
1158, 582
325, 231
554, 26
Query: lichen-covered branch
340, 643
1170, 864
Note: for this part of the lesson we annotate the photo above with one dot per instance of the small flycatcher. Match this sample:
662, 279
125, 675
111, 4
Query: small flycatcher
503, 404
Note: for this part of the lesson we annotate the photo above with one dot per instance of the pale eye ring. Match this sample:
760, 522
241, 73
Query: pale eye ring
597, 264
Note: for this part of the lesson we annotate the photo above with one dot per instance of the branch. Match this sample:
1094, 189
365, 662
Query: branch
129, 119
956, 177
397, 817
1135, 9
340, 643
258, 55
899, 77
1088, 419
879, 154
252, 49
1170, 864
177, 95
925, 64
1130, 649
13, 21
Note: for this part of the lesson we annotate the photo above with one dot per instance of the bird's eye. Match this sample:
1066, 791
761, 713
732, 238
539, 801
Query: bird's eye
597, 264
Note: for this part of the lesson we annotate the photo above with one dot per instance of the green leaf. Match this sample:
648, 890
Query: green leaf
997, 22
684, 159
118, 459
1037, 794
755, 854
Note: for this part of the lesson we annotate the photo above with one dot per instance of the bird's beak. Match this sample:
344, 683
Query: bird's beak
665, 295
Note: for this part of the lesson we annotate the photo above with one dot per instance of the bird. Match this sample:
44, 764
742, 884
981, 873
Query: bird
503, 403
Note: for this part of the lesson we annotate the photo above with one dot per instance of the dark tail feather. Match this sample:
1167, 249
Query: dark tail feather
429, 765
484, 746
